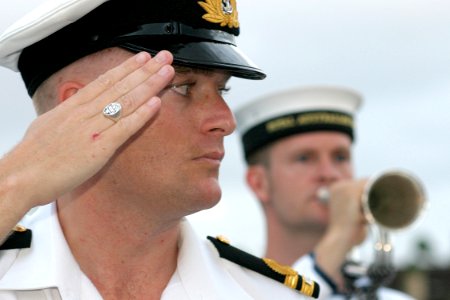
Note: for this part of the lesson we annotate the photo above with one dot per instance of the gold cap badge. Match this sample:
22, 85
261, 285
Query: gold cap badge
221, 11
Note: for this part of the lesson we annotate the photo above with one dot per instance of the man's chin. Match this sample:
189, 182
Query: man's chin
207, 196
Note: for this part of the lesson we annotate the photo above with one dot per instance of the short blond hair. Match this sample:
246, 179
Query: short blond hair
85, 70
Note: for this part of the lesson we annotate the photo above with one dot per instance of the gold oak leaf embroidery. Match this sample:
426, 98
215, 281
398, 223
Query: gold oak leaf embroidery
280, 269
221, 11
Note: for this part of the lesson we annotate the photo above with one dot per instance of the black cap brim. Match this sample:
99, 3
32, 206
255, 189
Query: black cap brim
203, 54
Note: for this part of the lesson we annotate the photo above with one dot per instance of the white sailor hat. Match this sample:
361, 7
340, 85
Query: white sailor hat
294, 111
199, 34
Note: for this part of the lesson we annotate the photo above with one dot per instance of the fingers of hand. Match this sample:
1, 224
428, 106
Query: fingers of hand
109, 79
132, 90
118, 84
140, 86
131, 124
145, 91
137, 109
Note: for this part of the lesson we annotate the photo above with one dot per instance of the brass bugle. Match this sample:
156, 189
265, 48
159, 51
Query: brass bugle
393, 199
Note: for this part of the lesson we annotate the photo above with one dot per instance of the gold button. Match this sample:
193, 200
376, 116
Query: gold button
223, 239
20, 228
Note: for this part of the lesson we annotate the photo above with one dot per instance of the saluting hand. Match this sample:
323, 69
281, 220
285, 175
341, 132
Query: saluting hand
72, 142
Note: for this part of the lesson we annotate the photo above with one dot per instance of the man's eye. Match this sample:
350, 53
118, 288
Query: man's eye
182, 89
303, 157
341, 157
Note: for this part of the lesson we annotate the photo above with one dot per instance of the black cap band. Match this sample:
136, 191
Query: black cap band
176, 28
38, 61
286, 125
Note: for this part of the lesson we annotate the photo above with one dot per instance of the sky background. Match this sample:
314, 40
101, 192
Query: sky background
396, 53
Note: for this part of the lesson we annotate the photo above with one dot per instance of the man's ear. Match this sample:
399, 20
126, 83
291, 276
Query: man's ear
257, 180
67, 90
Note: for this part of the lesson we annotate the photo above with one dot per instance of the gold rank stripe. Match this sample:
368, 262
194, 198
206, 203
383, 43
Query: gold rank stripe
267, 267
292, 277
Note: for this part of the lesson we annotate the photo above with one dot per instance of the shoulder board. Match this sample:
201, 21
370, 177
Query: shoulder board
19, 238
267, 267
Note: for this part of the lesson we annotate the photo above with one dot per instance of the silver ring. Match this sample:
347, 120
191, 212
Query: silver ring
112, 111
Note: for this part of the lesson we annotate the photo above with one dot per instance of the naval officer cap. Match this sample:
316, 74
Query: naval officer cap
295, 111
200, 34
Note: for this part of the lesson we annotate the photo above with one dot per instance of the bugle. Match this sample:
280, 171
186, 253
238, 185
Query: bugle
393, 199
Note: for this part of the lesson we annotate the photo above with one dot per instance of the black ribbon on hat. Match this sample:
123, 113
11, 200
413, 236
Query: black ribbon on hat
289, 124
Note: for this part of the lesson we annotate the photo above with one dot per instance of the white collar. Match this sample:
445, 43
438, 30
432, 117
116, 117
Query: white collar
48, 263
201, 272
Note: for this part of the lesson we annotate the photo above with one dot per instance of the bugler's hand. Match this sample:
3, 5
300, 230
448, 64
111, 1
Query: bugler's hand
346, 214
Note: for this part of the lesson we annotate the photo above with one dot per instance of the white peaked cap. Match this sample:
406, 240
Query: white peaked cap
297, 110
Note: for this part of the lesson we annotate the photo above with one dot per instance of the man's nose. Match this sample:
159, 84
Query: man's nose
221, 119
327, 171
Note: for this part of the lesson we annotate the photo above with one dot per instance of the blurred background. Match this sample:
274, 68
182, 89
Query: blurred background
396, 53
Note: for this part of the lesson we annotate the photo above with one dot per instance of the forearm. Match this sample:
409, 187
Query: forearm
12, 204
347, 228
17, 188
331, 253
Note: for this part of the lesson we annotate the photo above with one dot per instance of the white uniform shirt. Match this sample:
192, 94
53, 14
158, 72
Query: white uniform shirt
306, 266
48, 271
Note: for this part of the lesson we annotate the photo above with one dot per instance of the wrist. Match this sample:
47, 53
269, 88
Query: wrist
15, 197
13, 203
331, 253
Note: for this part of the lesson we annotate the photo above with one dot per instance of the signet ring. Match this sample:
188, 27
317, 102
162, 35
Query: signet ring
112, 111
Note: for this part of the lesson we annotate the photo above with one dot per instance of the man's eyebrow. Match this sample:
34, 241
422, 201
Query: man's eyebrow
185, 70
